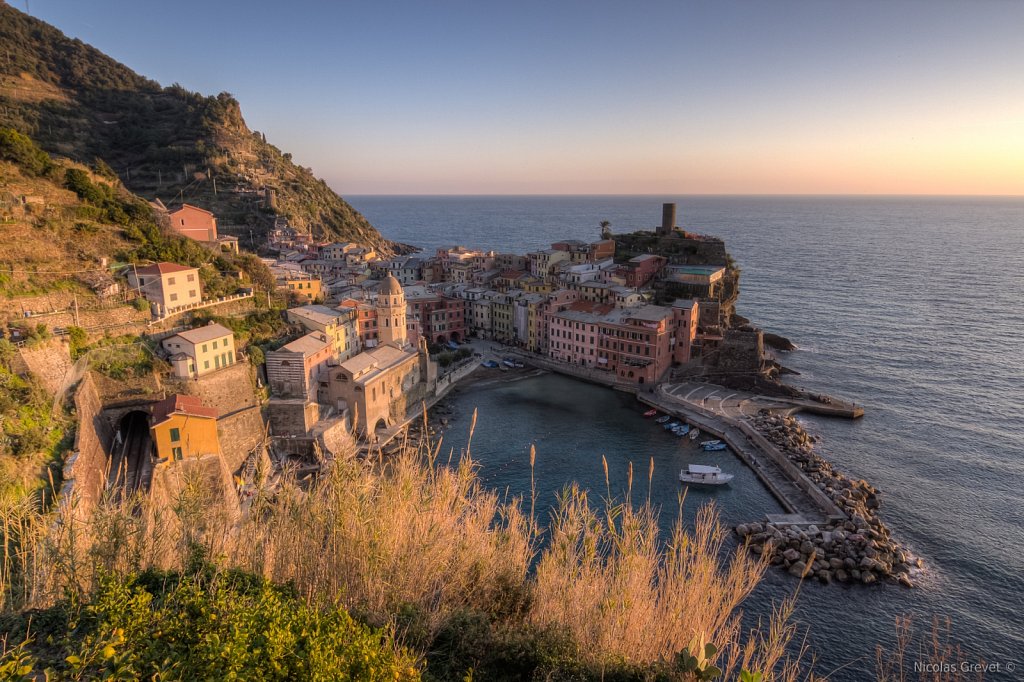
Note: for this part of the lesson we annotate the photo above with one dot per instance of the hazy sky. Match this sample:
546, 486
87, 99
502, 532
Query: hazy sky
468, 97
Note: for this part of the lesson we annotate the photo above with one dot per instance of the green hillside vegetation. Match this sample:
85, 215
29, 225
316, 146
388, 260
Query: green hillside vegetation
84, 215
165, 143
197, 625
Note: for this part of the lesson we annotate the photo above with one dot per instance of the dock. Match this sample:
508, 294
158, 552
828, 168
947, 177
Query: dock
798, 495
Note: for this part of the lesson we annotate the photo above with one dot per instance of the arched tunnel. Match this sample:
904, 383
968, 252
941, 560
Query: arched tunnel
131, 464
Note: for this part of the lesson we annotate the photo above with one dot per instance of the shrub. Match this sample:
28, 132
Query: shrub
21, 150
209, 626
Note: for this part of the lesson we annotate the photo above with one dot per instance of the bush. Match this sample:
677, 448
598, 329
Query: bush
208, 626
21, 150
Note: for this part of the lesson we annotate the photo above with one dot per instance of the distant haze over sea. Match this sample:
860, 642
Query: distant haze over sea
911, 306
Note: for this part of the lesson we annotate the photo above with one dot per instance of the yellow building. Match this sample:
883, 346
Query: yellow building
202, 350
182, 428
305, 288
340, 325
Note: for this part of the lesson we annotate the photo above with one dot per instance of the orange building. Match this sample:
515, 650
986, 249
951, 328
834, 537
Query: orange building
182, 428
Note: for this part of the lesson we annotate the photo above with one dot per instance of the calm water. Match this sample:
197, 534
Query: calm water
912, 307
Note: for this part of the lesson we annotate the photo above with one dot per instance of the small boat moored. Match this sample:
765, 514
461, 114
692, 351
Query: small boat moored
681, 430
714, 447
695, 434
650, 413
709, 442
704, 474
663, 419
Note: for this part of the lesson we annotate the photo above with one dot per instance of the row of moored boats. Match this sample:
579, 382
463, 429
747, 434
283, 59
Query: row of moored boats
702, 474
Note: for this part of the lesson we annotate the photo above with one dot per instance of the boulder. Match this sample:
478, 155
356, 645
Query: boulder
791, 555
797, 569
842, 576
867, 577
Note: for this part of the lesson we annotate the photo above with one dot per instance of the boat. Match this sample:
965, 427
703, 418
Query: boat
508, 363
670, 426
715, 447
709, 442
681, 430
662, 420
489, 364
650, 413
519, 365
694, 434
704, 474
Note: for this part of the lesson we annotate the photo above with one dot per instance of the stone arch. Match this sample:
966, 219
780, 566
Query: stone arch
455, 337
440, 338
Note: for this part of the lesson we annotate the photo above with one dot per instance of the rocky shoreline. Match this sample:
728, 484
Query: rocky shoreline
858, 550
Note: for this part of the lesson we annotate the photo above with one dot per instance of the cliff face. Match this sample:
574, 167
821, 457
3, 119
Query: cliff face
166, 143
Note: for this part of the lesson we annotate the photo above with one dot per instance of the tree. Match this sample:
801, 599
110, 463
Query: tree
606, 229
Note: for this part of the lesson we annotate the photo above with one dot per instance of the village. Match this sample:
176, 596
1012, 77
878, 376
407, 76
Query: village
373, 341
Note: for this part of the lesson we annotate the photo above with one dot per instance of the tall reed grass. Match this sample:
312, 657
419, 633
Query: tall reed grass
418, 532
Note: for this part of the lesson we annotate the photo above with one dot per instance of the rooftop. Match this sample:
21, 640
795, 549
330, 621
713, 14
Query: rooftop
163, 269
320, 314
207, 333
369, 363
309, 344
181, 404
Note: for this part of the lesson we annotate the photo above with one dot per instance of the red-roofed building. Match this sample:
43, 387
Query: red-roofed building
182, 427
194, 222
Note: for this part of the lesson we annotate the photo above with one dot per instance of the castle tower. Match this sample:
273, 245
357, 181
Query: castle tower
391, 313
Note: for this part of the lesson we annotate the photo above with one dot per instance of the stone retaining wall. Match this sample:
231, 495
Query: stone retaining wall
85, 470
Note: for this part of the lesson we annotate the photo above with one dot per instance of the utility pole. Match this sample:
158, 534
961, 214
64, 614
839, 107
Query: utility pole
76, 311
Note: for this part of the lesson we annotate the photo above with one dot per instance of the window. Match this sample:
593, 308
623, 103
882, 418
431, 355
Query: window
175, 435
176, 453
191, 293
174, 297
206, 364
231, 356
170, 281
215, 344
191, 278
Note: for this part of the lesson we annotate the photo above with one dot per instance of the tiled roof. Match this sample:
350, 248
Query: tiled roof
163, 269
205, 333
181, 404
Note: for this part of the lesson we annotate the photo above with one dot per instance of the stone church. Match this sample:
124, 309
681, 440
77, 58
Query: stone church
379, 385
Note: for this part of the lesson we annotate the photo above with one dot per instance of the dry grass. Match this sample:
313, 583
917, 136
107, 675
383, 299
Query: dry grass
411, 531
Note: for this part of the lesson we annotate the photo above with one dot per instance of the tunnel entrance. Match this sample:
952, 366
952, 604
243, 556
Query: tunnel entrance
131, 459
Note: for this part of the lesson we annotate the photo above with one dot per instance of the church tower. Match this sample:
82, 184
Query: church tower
391, 313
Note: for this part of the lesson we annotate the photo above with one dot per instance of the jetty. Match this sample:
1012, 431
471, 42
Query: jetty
804, 502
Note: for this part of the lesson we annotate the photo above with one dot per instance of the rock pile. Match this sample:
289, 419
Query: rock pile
859, 549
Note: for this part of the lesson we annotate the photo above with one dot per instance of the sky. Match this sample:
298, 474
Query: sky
596, 97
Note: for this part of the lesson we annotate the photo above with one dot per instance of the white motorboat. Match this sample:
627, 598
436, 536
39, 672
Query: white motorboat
709, 442
703, 474
695, 434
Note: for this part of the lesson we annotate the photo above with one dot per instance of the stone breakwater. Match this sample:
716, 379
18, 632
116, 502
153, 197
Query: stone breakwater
857, 550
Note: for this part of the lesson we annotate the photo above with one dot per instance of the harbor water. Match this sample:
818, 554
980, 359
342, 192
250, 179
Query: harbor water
912, 307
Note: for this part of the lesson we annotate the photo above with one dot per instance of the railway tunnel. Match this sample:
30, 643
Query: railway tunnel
131, 455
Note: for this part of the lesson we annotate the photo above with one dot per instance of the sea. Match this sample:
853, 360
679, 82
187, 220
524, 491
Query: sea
910, 306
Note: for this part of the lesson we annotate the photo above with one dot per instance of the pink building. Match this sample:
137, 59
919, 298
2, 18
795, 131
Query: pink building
194, 223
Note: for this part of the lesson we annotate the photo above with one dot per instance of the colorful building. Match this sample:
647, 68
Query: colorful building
199, 351
167, 285
182, 428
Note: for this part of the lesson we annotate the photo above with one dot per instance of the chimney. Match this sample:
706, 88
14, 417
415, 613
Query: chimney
668, 219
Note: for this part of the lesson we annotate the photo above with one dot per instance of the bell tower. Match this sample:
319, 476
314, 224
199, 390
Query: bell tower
391, 313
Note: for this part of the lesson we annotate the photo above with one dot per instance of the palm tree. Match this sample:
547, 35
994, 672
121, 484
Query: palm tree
606, 229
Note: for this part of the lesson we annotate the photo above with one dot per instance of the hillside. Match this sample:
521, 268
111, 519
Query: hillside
163, 142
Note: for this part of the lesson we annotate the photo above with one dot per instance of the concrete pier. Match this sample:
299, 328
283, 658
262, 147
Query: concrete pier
790, 486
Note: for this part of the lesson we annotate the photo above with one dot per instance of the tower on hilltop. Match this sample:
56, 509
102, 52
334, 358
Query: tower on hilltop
668, 220
391, 313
